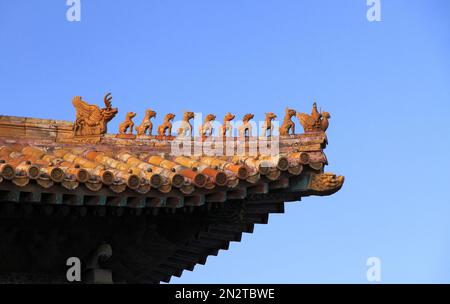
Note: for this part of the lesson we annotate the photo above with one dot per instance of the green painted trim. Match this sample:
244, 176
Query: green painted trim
300, 183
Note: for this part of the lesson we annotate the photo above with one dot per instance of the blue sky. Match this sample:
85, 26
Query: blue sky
386, 85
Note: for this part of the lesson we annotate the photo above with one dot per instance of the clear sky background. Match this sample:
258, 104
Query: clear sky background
386, 85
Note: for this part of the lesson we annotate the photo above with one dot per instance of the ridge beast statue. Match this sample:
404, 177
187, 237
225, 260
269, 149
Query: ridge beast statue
267, 128
127, 124
185, 129
90, 119
206, 129
166, 126
288, 125
146, 124
227, 126
316, 122
245, 130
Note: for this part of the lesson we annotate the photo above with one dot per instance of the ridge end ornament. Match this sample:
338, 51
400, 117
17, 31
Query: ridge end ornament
90, 119
316, 122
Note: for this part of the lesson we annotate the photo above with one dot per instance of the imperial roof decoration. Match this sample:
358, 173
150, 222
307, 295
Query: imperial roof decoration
57, 163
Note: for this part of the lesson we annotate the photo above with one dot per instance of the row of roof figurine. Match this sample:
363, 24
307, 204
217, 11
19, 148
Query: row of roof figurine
91, 120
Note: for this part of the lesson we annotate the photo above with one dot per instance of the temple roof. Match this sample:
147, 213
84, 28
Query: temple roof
60, 167
41, 152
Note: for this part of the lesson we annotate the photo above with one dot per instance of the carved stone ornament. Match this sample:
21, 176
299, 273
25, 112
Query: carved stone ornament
166, 126
267, 128
206, 129
186, 128
326, 182
317, 121
90, 119
246, 128
146, 125
227, 128
128, 124
288, 125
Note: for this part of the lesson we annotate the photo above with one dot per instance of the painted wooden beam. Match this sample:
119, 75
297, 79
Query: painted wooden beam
282, 183
10, 195
261, 188
299, 183
217, 197
194, 200
239, 193
175, 202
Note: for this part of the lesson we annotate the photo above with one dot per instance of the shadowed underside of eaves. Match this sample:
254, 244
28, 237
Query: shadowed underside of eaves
149, 245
